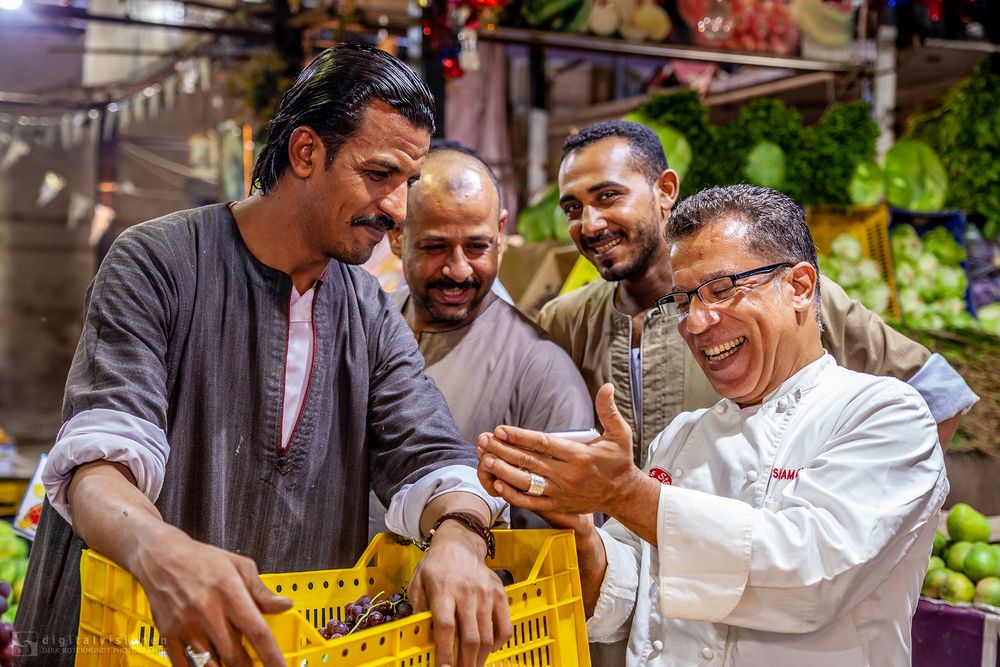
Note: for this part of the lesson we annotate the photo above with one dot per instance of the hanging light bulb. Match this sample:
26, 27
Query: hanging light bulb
717, 24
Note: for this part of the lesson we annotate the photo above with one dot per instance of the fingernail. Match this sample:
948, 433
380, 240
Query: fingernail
498, 486
489, 460
501, 434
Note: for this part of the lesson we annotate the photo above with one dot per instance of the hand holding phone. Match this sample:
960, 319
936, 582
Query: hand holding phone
583, 436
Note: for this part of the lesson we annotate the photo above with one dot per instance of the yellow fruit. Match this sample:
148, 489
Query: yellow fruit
934, 580
968, 525
988, 591
957, 588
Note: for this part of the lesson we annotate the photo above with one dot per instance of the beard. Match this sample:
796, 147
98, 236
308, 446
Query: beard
645, 243
437, 313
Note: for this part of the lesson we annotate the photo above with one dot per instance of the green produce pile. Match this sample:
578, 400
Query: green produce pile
965, 131
930, 281
768, 145
13, 565
966, 569
861, 277
976, 356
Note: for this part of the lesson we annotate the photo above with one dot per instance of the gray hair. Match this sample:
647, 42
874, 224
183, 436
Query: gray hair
776, 224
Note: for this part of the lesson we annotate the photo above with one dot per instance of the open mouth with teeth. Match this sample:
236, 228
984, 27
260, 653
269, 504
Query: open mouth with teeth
453, 295
599, 248
724, 350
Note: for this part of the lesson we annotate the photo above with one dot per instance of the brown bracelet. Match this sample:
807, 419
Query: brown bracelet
470, 521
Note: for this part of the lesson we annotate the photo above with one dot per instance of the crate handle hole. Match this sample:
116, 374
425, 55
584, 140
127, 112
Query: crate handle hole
344, 654
277, 589
357, 583
295, 587
538, 592
364, 646
524, 597
381, 641
310, 586
506, 577
326, 584
341, 583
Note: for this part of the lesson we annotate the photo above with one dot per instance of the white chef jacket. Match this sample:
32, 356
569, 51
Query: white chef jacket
795, 532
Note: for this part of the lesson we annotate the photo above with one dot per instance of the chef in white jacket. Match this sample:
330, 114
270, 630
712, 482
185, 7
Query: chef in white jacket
791, 523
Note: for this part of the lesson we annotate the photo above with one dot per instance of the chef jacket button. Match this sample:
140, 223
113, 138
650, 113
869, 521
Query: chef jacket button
782, 405
752, 476
657, 645
679, 472
707, 653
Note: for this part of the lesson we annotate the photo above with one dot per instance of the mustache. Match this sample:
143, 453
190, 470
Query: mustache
448, 283
381, 221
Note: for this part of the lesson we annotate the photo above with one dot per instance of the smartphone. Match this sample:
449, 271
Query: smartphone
584, 436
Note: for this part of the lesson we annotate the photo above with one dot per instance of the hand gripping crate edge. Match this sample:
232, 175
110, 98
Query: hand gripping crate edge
546, 607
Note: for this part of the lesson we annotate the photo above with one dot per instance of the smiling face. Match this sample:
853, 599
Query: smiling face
450, 242
749, 344
615, 214
349, 206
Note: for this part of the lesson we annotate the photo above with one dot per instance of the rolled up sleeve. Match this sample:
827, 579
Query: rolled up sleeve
108, 435
943, 389
407, 506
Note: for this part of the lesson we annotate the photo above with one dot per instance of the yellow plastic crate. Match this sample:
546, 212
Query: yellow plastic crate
870, 226
546, 609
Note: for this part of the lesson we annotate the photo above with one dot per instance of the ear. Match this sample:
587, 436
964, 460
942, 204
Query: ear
395, 236
803, 278
668, 187
305, 151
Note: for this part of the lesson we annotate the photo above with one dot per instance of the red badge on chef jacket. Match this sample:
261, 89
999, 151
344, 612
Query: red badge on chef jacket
661, 475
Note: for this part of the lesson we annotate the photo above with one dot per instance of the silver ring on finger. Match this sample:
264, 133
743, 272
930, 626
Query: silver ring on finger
537, 487
197, 658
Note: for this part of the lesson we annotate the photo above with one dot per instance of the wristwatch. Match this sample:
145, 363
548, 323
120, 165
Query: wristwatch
470, 521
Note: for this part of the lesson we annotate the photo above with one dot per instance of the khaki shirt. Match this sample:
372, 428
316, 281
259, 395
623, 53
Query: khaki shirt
598, 337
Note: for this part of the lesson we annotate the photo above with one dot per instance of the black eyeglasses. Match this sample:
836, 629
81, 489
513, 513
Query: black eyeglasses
677, 305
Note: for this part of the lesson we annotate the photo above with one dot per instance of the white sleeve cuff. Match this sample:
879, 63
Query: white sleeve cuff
943, 389
704, 544
109, 435
618, 593
407, 506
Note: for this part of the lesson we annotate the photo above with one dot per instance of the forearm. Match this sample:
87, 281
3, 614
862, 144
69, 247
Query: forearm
636, 506
458, 501
593, 562
946, 430
111, 515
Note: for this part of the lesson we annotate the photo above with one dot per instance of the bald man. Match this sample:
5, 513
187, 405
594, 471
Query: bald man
493, 365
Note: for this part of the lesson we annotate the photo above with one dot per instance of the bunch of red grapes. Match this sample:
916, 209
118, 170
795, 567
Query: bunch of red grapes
7, 649
366, 612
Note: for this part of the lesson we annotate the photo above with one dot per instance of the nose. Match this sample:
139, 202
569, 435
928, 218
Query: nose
394, 204
592, 221
700, 317
457, 267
